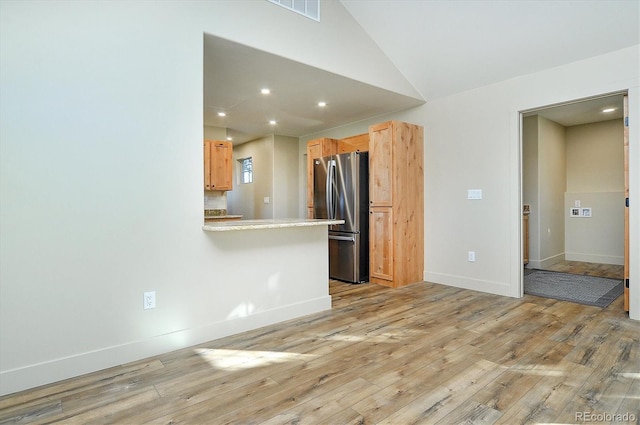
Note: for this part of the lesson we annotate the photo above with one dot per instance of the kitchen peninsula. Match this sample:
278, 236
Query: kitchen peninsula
282, 268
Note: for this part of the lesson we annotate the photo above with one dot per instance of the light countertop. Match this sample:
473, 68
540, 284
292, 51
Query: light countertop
224, 226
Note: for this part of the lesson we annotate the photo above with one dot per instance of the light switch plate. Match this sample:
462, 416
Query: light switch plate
266, 200
474, 194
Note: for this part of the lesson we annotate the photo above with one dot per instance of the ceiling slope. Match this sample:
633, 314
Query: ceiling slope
445, 47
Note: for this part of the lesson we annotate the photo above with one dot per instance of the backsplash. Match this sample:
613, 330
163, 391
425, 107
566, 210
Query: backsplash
215, 200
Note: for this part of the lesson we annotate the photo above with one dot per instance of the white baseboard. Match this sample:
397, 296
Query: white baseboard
496, 288
594, 258
547, 262
68, 367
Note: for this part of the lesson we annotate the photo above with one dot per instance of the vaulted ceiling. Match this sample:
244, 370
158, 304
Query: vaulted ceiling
445, 47
441, 47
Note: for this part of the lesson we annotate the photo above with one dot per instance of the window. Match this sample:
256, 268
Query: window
308, 8
246, 170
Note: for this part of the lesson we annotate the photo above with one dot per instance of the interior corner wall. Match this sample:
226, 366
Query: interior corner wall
247, 199
552, 177
285, 177
544, 182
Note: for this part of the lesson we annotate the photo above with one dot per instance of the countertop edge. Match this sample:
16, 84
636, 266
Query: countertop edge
227, 226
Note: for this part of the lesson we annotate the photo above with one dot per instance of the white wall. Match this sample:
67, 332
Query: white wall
530, 183
101, 183
595, 157
248, 199
595, 177
472, 140
599, 238
286, 176
275, 176
544, 149
552, 175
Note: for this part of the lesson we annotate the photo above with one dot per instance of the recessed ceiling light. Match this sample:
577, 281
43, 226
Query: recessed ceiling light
272, 122
608, 110
222, 114
229, 138
265, 91
322, 104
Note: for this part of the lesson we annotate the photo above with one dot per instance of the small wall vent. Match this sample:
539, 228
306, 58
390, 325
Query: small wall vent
308, 8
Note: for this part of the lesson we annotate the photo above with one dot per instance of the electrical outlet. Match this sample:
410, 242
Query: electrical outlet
471, 256
149, 300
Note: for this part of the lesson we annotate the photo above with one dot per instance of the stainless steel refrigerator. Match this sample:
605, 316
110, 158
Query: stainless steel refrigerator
341, 192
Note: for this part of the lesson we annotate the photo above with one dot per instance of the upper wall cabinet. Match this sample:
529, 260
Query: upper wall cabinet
218, 165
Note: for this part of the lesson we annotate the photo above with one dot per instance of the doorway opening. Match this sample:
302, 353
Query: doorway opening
573, 187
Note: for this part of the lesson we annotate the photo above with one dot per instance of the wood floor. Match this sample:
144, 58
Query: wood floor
424, 353
610, 271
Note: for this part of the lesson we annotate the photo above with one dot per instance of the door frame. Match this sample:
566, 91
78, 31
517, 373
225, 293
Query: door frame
517, 261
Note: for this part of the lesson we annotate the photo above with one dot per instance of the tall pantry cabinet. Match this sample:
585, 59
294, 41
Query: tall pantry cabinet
396, 203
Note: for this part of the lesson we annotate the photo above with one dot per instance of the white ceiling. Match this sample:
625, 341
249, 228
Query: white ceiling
445, 47
442, 47
234, 74
583, 111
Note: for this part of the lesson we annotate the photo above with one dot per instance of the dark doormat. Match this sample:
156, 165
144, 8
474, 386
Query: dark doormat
589, 290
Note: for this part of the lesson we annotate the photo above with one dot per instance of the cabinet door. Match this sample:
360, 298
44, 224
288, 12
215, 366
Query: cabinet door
381, 165
221, 162
381, 242
218, 162
207, 164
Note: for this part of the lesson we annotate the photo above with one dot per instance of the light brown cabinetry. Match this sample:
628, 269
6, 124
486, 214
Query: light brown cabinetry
359, 143
396, 197
218, 163
317, 149
381, 246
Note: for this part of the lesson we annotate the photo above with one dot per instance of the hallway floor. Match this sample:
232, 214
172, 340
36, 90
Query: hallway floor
611, 271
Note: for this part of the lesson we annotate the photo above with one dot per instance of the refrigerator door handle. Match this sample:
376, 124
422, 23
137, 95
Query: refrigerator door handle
342, 238
331, 214
327, 191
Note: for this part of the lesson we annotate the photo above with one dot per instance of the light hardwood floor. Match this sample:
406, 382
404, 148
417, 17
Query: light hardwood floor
611, 271
423, 353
